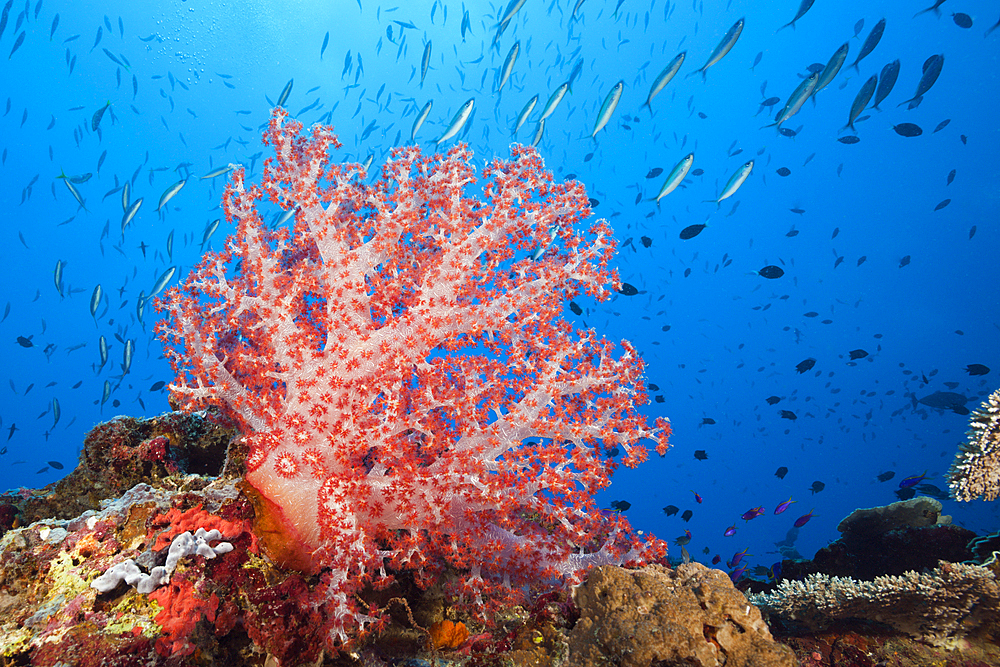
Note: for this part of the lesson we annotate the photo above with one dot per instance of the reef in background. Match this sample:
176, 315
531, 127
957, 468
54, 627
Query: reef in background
179, 595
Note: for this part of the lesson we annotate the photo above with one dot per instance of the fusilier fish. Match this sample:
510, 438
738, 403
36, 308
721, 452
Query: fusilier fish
219, 172
803, 8
675, 177
286, 91
735, 181
886, 81
664, 77
608, 108
458, 122
162, 281
539, 129
727, 43
797, 99
170, 193
932, 69
95, 301
57, 276
832, 68
554, 99
861, 101
425, 62
421, 117
508, 64
130, 213
127, 356
870, 42
523, 116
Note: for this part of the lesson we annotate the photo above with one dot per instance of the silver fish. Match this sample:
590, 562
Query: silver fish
608, 108
797, 99
675, 177
127, 356
508, 64
219, 172
539, 129
735, 181
523, 116
458, 122
727, 43
130, 213
554, 99
162, 281
285, 93
664, 77
421, 117
832, 68
95, 300
58, 276
170, 193
425, 62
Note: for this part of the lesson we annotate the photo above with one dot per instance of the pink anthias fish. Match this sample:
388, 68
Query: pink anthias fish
753, 513
804, 519
783, 506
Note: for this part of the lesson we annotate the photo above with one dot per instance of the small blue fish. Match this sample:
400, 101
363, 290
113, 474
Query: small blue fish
913, 480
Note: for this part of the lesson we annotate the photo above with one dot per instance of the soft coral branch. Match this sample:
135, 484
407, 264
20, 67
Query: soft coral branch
409, 391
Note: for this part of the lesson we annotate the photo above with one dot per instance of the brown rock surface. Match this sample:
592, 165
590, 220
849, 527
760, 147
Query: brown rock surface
690, 616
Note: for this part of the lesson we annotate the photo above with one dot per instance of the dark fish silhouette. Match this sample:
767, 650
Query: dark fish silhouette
621, 505
977, 369
886, 476
575, 308
858, 354
654, 172
772, 400
908, 130
962, 20
870, 42
886, 81
946, 400
788, 414
817, 487
781, 472
849, 139
691, 231
806, 365
671, 510
803, 8
932, 8
771, 272
627, 290
942, 204
700, 454
784, 171
686, 516
931, 71
905, 261
940, 126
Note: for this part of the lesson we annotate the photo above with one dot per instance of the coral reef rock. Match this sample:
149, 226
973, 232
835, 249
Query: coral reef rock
691, 615
940, 607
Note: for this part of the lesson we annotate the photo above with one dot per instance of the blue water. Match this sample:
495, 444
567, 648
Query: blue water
734, 337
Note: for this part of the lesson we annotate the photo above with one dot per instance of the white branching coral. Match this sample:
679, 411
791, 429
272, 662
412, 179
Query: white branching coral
937, 606
976, 470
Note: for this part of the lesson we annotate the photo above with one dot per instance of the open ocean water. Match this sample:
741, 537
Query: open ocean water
886, 234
